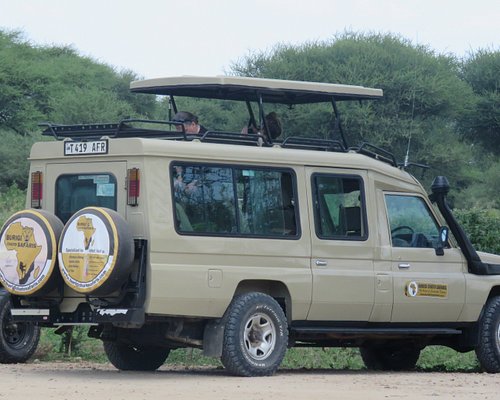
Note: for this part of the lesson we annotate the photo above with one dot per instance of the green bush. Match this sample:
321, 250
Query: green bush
11, 200
482, 227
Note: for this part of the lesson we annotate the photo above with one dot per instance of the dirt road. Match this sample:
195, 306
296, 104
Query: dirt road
84, 381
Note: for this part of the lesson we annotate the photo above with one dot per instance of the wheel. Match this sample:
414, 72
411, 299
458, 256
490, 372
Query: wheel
18, 341
390, 357
488, 349
135, 358
255, 336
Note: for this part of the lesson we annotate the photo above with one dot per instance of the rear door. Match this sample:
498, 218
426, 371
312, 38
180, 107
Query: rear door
71, 187
342, 249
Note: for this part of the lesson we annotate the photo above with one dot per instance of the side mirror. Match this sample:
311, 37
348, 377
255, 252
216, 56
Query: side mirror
444, 231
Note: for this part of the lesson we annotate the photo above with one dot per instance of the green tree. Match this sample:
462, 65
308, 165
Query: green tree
56, 84
481, 124
423, 97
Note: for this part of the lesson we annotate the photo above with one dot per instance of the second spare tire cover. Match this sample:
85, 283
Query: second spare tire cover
96, 251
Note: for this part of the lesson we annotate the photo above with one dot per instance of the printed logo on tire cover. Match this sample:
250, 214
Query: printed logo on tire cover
87, 250
27, 252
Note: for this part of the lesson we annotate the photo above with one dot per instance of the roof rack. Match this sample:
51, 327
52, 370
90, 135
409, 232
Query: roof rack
123, 129
297, 142
233, 138
376, 152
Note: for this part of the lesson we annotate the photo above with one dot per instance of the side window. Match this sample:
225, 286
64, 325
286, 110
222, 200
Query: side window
266, 204
339, 207
234, 201
204, 199
411, 222
76, 191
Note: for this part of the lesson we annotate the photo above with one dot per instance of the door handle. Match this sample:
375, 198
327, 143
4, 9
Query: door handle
321, 263
404, 265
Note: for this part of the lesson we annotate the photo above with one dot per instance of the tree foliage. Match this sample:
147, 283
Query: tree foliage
445, 110
41, 84
425, 99
481, 123
482, 227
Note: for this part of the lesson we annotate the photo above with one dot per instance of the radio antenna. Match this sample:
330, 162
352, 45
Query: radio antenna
407, 156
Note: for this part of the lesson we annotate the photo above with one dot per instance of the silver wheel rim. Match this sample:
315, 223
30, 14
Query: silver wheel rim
259, 336
498, 337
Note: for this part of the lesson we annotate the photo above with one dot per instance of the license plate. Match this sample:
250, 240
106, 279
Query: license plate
83, 148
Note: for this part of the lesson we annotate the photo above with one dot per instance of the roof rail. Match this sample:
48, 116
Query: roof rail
127, 129
123, 129
305, 143
376, 152
249, 139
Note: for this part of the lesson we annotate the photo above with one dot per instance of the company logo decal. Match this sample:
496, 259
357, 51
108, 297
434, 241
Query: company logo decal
86, 255
425, 289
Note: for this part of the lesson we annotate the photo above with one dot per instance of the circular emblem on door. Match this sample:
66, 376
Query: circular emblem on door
412, 289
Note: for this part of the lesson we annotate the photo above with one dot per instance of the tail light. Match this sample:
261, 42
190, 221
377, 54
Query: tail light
133, 187
36, 189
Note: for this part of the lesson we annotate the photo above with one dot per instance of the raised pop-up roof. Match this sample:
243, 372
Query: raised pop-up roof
250, 89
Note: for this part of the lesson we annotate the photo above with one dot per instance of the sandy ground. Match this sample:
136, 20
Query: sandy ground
65, 381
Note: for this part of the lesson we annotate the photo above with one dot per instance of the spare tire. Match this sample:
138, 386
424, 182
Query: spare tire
28, 252
96, 251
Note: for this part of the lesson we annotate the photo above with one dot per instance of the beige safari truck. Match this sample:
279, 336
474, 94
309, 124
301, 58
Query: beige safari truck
244, 245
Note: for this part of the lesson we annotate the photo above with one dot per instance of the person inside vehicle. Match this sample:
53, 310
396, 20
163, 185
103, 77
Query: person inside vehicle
190, 123
273, 124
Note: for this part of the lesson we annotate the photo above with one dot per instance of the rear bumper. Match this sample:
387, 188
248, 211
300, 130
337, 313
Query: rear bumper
52, 317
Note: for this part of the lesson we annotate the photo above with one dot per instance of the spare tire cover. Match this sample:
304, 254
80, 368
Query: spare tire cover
96, 251
28, 252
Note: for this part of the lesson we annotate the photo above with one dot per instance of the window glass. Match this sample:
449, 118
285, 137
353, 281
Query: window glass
411, 222
339, 207
204, 197
265, 202
74, 192
233, 200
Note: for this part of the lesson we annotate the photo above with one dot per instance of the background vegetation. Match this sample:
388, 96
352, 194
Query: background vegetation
446, 108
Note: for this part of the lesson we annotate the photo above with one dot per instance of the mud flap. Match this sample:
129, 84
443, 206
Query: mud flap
213, 337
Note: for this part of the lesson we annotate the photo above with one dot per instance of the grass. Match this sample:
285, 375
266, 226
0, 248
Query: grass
433, 358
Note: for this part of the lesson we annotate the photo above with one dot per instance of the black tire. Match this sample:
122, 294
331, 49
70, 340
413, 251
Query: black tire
18, 341
135, 358
396, 357
255, 336
488, 349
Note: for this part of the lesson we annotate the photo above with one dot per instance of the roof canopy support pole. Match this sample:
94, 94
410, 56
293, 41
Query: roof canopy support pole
262, 120
171, 106
252, 121
338, 125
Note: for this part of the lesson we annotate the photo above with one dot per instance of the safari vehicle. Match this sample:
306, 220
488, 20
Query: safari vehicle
244, 244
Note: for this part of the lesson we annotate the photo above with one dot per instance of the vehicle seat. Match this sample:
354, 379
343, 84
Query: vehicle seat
182, 219
350, 220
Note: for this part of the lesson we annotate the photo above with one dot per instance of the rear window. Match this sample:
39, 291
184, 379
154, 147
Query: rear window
77, 191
